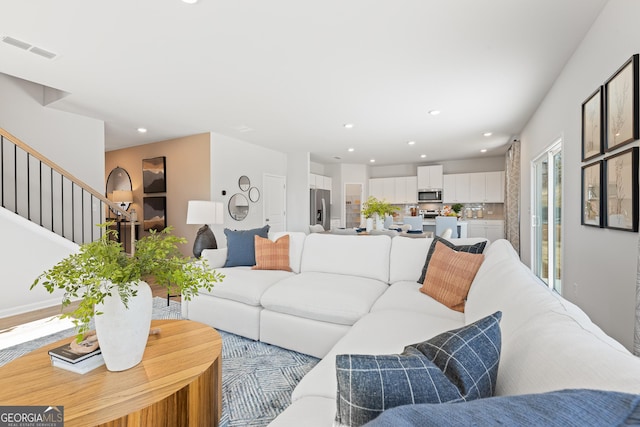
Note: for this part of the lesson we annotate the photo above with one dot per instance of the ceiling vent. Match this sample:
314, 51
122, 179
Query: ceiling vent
29, 47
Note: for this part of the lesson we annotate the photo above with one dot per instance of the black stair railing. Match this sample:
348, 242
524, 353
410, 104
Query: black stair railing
37, 189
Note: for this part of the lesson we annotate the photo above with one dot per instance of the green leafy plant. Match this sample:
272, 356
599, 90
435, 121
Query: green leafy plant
375, 206
457, 207
102, 267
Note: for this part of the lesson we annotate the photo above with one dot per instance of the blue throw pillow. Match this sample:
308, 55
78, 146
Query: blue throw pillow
476, 248
241, 248
566, 408
454, 366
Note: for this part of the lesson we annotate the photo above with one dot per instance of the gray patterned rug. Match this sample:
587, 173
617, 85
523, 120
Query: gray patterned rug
257, 378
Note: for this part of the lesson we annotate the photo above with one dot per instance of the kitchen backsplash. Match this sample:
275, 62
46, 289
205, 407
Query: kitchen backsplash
489, 210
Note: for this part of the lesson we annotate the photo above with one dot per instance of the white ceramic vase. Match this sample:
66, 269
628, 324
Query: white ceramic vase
123, 331
379, 222
369, 224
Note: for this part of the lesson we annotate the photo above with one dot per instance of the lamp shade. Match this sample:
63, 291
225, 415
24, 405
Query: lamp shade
205, 212
122, 196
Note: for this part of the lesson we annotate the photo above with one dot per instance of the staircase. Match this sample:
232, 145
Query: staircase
37, 189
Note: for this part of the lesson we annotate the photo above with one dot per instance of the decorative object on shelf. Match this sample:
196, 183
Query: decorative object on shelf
592, 129
155, 213
119, 180
153, 175
254, 194
621, 191
592, 194
244, 183
111, 284
238, 206
204, 212
621, 105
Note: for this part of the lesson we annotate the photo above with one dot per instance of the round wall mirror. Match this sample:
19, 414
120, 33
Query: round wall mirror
238, 206
119, 180
254, 194
244, 183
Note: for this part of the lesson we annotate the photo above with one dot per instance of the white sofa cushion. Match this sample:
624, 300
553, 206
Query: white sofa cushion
406, 295
327, 297
363, 256
381, 332
296, 243
245, 285
408, 255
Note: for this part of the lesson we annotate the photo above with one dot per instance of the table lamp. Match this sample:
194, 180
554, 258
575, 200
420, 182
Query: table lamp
204, 212
123, 197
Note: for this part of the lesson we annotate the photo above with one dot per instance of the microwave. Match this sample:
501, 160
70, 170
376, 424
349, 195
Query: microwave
429, 195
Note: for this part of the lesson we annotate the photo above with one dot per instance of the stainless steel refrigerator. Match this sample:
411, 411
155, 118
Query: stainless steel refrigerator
320, 208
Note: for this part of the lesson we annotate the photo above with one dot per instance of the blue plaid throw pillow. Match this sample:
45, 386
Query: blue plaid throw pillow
455, 366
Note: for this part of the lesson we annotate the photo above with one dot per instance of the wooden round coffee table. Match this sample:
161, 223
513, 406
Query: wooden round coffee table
178, 382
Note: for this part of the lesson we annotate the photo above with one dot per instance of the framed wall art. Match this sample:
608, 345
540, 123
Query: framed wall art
155, 213
621, 105
592, 129
592, 194
621, 191
153, 175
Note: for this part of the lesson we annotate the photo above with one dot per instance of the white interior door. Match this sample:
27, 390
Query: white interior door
274, 202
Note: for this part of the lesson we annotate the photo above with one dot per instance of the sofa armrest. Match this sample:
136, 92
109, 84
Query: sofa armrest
215, 257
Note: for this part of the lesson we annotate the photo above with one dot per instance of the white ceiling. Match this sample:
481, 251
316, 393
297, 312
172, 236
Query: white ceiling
288, 74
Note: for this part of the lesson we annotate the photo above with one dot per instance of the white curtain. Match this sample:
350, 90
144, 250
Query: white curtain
512, 195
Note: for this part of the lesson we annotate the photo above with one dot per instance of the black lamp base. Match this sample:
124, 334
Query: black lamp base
204, 240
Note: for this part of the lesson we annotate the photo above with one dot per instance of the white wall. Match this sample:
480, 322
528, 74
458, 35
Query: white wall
599, 265
298, 206
230, 159
74, 142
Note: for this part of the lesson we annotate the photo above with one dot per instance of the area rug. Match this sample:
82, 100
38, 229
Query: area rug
257, 378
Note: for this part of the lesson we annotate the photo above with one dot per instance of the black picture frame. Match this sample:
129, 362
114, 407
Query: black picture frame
621, 105
154, 175
592, 128
592, 202
621, 190
155, 213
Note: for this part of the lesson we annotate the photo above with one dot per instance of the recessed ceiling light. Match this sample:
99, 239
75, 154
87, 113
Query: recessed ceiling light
190, 1
142, 130
487, 134
348, 125
434, 112
423, 156
484, 150
372, 161
351, 150
411, 142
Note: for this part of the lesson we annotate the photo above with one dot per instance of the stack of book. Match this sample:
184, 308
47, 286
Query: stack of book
66, 358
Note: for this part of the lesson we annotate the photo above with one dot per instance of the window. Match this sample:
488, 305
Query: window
547, 216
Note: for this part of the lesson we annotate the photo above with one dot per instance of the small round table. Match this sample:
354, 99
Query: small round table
178, 382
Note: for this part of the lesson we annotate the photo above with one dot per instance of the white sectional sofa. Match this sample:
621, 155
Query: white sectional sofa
359, 295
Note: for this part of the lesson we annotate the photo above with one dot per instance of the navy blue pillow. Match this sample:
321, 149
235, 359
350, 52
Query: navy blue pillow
566, 408
455, 366
241, 249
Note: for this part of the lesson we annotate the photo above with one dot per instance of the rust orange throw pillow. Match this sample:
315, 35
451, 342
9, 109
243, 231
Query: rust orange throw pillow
449, 276
272, 255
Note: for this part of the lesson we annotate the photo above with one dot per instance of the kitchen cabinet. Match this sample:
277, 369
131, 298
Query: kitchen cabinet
321, 182
481, 187
430, 177
487, 187
456, 188
491, 229
397, 190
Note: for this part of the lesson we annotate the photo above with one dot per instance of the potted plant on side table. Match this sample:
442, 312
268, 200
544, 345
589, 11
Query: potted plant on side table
110, 284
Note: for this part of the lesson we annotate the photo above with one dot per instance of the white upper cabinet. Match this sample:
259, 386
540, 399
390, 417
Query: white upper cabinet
430, 177
483, 187
398, 190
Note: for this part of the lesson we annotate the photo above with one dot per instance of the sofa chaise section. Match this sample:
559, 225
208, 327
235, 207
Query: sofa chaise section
340, 278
